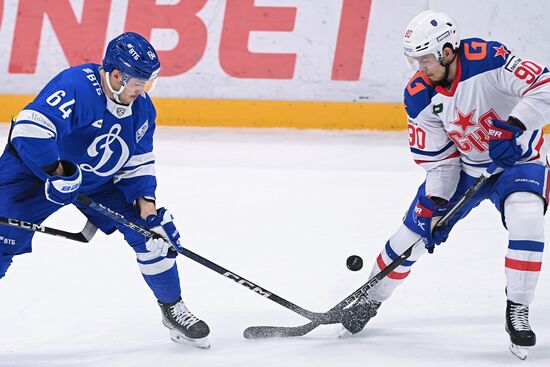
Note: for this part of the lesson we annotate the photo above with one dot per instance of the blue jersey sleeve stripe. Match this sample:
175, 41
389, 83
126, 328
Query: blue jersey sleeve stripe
482, 165
543, 74
530, 146
525, 245
432, 153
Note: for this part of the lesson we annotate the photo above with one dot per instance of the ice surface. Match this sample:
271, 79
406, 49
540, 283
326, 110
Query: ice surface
284, 209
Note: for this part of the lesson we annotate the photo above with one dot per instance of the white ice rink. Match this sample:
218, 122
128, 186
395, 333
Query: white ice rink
284, 209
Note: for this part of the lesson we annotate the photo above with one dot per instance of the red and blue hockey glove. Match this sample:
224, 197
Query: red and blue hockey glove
63, 190
503, 147
163, 224
426, 214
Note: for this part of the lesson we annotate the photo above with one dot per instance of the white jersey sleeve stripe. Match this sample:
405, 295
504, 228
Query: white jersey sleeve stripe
157, 267
31, 131
37, 118
145, 170
139, 159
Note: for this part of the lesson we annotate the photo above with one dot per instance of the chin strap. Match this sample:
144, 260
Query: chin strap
115, 93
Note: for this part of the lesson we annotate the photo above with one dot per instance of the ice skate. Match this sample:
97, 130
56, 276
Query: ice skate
517, 326
184, 327
358, 315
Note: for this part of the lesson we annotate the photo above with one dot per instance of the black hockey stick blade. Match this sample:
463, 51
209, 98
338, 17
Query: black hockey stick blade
333, 316
264, 332
83, 236
87, 233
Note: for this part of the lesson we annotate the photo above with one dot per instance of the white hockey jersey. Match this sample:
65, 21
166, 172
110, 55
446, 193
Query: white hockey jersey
448, 129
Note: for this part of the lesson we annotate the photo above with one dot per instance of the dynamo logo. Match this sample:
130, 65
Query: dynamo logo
102, 146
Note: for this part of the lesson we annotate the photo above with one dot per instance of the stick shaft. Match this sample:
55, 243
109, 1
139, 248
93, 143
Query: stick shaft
201, 260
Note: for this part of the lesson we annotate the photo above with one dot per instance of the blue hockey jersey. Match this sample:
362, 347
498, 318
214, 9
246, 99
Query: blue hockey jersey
72, 119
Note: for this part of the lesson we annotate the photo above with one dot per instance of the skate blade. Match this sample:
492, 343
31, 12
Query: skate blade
519, 351
177, 337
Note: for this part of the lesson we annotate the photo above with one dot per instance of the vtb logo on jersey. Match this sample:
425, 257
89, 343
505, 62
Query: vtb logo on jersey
469, 134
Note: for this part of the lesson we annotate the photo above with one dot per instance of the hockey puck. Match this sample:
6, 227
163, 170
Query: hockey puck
354, 263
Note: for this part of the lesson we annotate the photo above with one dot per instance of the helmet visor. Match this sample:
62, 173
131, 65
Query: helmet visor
139, 86
422, 63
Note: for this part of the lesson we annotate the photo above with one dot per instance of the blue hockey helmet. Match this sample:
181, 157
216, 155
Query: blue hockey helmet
135, 58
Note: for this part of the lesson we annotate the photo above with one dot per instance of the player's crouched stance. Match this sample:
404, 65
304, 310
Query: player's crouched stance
471, 104
90, 130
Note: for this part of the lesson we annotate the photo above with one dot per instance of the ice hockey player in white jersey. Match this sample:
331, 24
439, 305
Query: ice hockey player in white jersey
90, 130
472, 103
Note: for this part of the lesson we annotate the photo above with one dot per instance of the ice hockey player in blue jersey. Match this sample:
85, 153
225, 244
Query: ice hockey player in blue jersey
90, 130
472, 103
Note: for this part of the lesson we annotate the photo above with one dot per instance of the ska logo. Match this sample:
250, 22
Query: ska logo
104, 147
469, 134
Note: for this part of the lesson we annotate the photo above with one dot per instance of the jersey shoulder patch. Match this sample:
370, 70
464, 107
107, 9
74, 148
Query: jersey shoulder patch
479, 56
418, 94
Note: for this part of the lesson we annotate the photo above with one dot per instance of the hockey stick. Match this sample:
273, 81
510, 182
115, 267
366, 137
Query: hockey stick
334, 315
85, 235
119, 218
